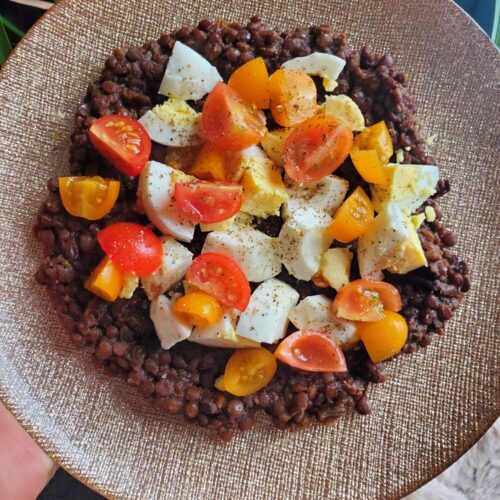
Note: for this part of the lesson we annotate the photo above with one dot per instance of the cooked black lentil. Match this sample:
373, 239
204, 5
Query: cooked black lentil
181, 380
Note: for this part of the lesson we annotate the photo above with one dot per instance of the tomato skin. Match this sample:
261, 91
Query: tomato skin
106, 280
132, 247
88, 197
198, 309
365, 300
122, 141
221, 277
249, 370
229, 122
251, 81
384, 338
316, 148
311, 351
209, 202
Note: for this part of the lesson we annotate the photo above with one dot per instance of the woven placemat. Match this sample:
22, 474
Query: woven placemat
438, 401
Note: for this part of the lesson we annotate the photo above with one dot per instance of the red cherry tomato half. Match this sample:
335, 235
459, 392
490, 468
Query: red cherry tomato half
311, 351
365, 300
122, 141
221, 277
209, 202
132, 247
315, 148
229, 122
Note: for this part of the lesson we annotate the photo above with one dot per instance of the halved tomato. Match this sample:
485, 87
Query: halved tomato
251, 81
311, 351
249, 370
229, 122
365, 300
221, 277
316, 148
209, 202
132, 247
122, 141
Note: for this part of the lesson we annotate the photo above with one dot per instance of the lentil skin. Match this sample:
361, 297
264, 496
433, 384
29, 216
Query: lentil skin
181, 380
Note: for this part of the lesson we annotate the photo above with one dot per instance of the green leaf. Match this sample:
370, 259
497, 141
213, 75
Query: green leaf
11, 27
5, 47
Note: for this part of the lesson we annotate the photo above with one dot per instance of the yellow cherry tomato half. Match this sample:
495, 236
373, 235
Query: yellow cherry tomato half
353, 217
210, 164
384, 338
293, 96
198, 309
106, 280
251, 81
89, 197
249, 370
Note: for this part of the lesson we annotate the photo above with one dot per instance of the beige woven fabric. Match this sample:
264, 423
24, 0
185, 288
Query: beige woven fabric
437, 403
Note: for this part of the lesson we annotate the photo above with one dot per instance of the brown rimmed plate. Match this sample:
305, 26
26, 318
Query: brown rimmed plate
438, 401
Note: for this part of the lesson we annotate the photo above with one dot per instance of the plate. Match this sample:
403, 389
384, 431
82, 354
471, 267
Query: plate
438, 401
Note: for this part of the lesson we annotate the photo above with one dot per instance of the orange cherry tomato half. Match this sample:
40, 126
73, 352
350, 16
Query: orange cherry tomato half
132, 247
221, 277
122, 141
311, 351
229, 122
365, 300
251, 81
316, 148
384, 338
293, 96
209, 202
249, 370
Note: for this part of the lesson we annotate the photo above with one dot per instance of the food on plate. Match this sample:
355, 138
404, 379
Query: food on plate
250, 222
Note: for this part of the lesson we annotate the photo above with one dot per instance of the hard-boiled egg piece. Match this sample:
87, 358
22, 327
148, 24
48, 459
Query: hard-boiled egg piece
274, 144
263, 188
218, 226
174, 265
156, 192
315, 313
188, 76
222, 334
408, 186
345, 110
327, 66
335, 267
391, 242
239, 161
266, 317
303, 240
256, 253
130, 284
173, 123
169, 328
325, 195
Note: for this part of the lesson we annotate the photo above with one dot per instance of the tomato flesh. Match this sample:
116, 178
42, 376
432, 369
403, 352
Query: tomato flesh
311, 351
221, 277
122, 141
132, 247
365, 300
316, 148
209, 202
229, 122
249, 370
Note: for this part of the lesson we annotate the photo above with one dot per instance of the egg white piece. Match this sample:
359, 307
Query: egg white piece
315, 313
188, 76
325, 195
327, 66
182, 132
156, 192
169, 328
256, 253
303, 239
174, 265
222, 333
266, 317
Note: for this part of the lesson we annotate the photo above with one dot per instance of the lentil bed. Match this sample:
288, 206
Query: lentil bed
181, 380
